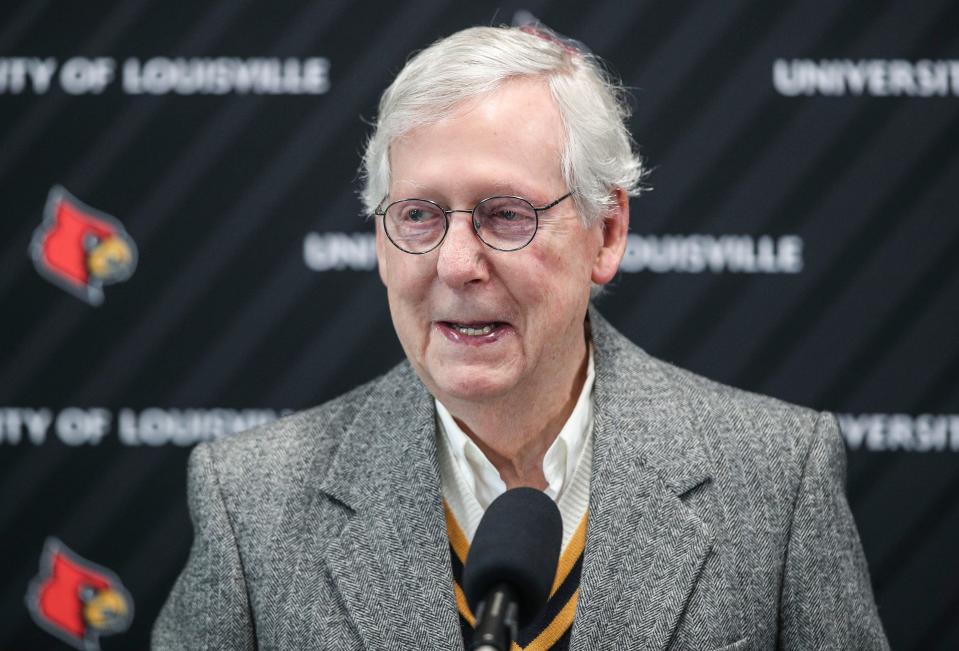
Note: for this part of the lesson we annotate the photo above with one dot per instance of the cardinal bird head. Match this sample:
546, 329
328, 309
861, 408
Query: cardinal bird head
81, 249
76, 600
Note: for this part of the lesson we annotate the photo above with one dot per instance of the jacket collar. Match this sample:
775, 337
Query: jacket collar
645, 547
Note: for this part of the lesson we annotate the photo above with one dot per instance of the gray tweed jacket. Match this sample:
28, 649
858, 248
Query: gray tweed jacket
717, 520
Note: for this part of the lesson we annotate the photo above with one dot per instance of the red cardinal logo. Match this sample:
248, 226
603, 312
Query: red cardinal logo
80, 248
76, 600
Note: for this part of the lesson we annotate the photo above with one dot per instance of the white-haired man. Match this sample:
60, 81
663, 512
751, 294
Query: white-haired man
695, 516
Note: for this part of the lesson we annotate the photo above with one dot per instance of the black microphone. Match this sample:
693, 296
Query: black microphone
511, 565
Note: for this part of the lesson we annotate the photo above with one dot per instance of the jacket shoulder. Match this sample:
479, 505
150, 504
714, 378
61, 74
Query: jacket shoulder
759, 447
265, 463
741, 432
747, 421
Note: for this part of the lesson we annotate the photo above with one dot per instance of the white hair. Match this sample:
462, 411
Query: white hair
598, 154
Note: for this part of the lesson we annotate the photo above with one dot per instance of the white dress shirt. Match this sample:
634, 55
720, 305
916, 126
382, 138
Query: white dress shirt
471, 482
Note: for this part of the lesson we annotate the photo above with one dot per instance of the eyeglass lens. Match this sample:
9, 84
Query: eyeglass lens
504, 223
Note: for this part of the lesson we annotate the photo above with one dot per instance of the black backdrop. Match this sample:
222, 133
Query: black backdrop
800, 241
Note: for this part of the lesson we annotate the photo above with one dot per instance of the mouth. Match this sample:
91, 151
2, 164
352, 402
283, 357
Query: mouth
474, 332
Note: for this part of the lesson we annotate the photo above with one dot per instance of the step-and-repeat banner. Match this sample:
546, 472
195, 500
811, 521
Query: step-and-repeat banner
183, 256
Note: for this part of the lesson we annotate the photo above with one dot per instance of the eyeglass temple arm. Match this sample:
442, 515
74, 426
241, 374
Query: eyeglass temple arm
550, 205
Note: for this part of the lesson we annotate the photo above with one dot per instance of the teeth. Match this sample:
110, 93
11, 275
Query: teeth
471, 331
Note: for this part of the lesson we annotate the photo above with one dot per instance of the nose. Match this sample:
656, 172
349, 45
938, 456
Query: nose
462, 255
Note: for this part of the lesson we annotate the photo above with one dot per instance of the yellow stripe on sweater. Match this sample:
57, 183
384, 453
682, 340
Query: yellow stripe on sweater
458, 540
556, 629
570, 555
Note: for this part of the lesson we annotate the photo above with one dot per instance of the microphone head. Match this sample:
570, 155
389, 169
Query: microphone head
517, 542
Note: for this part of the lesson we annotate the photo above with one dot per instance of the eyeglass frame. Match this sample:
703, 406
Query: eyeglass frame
472, 213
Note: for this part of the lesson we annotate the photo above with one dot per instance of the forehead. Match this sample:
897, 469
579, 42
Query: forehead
511, 137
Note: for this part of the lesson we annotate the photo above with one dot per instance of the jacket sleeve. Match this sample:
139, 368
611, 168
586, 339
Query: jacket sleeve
208, 607
827, 600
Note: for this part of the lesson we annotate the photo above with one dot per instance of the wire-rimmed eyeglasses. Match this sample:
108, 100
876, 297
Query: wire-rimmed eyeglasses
504, 223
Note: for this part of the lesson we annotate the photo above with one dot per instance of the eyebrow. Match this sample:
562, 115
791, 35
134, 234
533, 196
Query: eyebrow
514, 189
502, 187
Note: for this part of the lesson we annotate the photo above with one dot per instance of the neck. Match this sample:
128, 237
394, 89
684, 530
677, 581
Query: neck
516, 430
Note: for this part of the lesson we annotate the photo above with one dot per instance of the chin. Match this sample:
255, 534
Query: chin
472, 386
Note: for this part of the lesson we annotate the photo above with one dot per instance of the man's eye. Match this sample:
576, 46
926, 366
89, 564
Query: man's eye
507, 215
418, 215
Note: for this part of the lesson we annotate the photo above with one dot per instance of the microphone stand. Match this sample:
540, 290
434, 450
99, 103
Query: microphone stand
496, 620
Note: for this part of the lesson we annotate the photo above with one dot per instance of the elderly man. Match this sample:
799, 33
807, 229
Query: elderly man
695, 516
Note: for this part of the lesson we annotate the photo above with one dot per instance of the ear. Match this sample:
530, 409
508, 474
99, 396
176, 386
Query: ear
615, 226
381, 263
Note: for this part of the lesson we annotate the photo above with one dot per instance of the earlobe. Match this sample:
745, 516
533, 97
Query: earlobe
615, 229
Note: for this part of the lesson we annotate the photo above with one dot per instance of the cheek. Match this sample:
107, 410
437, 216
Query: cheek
402, 273
408, 290
543, 285
561, 288
407, 315
564, 271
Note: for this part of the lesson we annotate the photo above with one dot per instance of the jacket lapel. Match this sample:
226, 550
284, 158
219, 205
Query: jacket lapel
645, 547
391, 561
